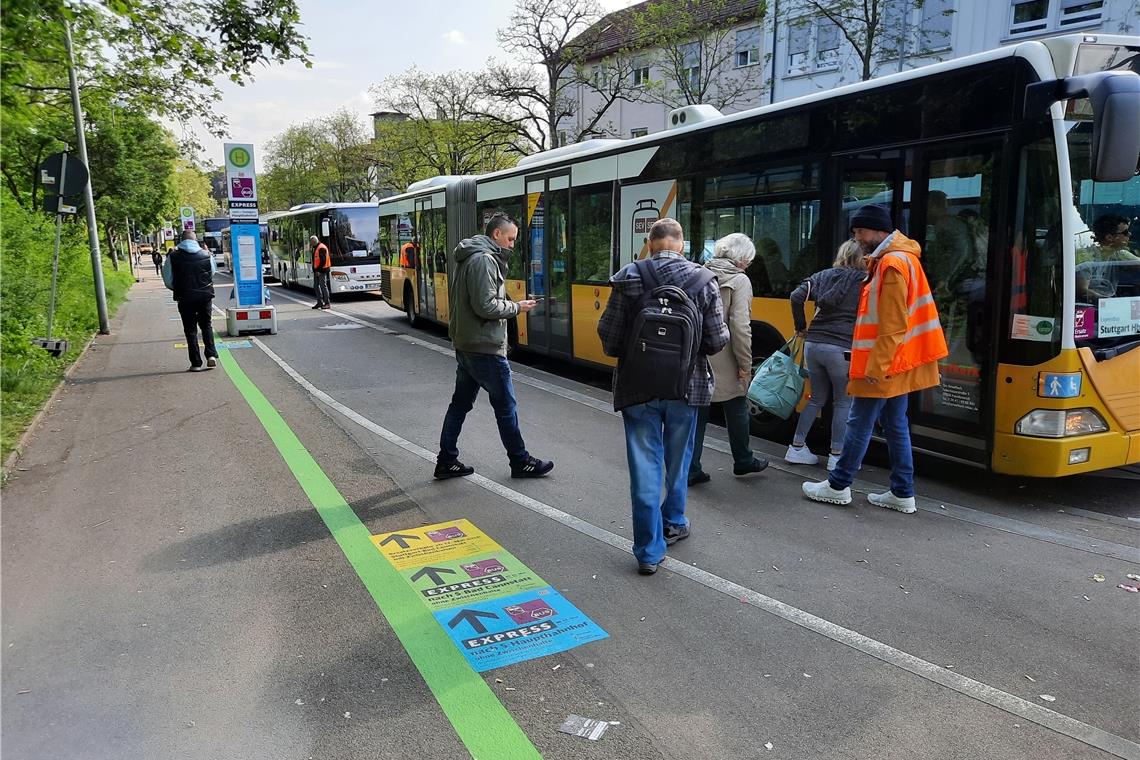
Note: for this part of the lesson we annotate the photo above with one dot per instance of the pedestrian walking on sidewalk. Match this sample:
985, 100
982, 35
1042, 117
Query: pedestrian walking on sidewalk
322, 265
827, 346
732, 365
662, 321
156, 258
189, 272
479, 311
898, 341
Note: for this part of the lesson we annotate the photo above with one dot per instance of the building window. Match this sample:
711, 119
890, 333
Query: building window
935, 25
826, 42
691, 65
640, 75
596, 77
1029, 17
562, 139
747, 47
799, 40
639, 132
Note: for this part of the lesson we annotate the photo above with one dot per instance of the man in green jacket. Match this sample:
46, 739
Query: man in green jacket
478, 327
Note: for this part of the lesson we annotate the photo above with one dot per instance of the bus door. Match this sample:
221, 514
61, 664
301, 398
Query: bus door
872, 178
424, 260
548, 275
954, 218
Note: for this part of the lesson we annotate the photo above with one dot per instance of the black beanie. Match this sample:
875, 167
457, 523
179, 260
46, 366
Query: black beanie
873, 217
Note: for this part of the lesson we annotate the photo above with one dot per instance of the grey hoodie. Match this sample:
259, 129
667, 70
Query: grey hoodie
479, 305
836, 295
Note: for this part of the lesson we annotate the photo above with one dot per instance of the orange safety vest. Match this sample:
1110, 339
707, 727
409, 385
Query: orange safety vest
924, 341
321, 260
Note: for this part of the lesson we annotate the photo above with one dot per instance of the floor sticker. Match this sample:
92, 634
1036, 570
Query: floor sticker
433, 543
494, 608
515, 628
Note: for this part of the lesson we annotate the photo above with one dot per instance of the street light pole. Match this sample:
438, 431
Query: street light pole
89, 200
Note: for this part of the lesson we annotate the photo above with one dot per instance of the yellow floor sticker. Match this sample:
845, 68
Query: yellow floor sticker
434, 543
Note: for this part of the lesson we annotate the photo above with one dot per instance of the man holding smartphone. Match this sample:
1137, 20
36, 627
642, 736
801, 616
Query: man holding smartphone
478, 329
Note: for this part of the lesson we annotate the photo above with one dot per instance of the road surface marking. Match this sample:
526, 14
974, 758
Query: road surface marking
1063, 724
1011, 525
479, 718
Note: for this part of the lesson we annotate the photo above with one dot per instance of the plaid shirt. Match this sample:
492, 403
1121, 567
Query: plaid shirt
613, 328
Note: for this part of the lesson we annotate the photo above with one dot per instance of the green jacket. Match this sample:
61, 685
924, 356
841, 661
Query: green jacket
479, 307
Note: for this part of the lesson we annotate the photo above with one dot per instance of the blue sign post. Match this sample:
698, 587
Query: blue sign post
252, 313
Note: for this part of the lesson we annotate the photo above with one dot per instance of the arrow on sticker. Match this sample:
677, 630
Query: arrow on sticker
472, 617
433, 573
401, 540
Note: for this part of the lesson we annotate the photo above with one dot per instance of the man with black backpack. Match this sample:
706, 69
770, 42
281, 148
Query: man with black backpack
663, 318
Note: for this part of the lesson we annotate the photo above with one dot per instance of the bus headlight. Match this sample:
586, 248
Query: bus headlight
1060, 423
341, 276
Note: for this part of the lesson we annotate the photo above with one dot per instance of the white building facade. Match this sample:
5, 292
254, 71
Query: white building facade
795, 51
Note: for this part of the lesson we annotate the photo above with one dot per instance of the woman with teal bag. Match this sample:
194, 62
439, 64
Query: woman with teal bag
835, 292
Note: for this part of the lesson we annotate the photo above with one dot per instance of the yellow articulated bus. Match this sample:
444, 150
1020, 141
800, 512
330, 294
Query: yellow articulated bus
1016, 170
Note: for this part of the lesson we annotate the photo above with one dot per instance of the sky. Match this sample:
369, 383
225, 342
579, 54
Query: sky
354, 44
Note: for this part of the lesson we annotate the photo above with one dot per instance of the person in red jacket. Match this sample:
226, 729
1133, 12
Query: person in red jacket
322, 263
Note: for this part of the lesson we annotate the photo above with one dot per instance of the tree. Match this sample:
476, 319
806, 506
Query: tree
875, 29
442, 131
694, 43
534, 95
346, 157
293, 167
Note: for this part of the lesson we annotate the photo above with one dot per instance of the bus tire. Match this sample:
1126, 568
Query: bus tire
766, 340
410, 307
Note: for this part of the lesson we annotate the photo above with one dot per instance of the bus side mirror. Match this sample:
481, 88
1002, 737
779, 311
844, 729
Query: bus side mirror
1115, 100
325, 228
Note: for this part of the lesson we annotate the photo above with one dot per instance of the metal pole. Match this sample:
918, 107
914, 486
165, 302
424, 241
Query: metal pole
130, 249
92, 229
775, 39
55, 263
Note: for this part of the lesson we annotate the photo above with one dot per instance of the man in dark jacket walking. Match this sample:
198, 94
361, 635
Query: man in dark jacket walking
659, 432
478, 328
189, 272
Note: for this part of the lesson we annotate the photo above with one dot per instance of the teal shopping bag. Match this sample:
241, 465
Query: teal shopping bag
779, 382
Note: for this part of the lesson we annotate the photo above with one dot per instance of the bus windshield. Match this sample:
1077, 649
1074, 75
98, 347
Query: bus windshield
357, 232
1107, 258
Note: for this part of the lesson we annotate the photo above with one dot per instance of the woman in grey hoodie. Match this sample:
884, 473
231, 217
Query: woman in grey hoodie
835, 292
732, 365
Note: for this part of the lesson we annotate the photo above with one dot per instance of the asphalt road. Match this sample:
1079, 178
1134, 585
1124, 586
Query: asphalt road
169, 589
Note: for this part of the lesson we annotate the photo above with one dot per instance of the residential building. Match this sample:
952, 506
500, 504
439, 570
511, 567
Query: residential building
795, 51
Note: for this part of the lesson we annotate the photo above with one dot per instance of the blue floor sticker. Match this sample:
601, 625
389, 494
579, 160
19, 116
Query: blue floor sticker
512, 629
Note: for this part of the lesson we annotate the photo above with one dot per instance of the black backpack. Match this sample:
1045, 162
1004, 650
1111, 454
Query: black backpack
665, 337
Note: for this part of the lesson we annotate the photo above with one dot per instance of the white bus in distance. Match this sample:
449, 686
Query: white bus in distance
348, 229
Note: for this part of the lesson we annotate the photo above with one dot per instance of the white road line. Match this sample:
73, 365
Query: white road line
1011, 525
1062, 724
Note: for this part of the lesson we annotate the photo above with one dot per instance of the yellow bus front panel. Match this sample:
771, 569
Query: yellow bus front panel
1018, 393
441, 300
516, 291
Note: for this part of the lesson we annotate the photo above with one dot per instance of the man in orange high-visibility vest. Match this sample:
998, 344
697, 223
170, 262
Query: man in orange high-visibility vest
322, 263
895, 351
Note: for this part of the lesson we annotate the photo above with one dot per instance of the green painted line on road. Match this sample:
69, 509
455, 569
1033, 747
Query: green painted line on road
479, 718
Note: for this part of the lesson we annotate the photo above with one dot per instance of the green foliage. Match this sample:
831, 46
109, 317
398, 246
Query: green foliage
29, 373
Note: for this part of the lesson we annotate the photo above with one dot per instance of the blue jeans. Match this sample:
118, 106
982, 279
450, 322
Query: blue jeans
828, 371
891, 414
492, 373
658, 444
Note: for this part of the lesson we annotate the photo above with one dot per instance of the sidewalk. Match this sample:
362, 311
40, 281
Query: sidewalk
169, 591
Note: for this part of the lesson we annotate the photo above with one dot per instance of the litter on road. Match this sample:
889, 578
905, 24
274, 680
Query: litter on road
591, 729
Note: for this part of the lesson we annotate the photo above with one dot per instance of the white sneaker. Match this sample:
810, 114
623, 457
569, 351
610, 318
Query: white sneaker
832, 460
890, 501
800, 455
211, 362
823, 491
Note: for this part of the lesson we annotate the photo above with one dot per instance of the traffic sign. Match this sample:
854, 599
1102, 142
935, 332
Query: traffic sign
63, 174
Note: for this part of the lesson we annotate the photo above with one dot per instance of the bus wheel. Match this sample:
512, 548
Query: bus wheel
410, 308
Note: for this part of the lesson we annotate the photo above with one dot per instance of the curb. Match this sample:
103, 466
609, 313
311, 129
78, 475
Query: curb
18, 450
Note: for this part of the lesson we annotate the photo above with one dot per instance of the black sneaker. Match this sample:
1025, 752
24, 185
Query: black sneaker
445, 470
646, 568
695, 479
673, 534
531, 467
315, 306
756, 465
